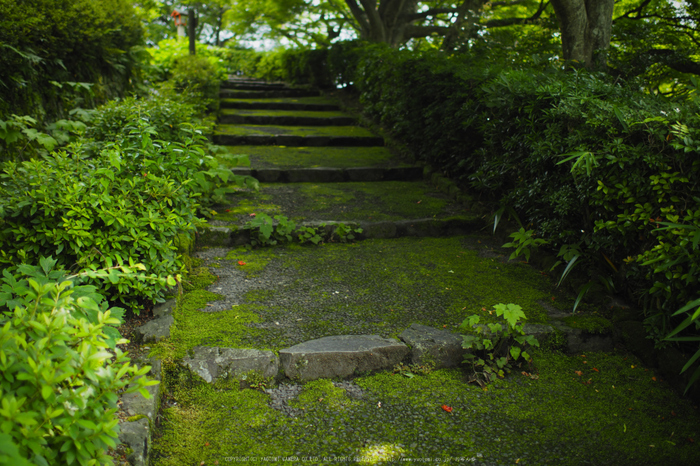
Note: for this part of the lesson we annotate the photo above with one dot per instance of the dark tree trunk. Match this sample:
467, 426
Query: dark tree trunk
586, 27
191, 30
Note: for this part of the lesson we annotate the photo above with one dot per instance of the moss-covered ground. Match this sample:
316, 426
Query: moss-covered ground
311, 157
317, 100
330, 131
594, 409
371, 287
314, 114
351, 201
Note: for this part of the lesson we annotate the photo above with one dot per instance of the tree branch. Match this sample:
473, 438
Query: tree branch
359, 16
423, 31
430, 12
637, 10
495, 23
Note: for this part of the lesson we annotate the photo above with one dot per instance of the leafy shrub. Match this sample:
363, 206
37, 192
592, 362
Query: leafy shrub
47, 45
122, 197
196, 74
496, 346
60, 370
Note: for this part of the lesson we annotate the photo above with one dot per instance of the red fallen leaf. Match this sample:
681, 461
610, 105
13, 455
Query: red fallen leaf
552, 298
241, 263
419, 202
596, 369
654, 379
206, 444
691, 440
228, 210
447, 408
252, 215
579, 373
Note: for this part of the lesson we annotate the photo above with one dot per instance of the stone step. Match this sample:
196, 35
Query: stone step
252, 85
278, 104
350, 202
284, 120
298, 141
283, 157
263, 94
329, 175
229, 236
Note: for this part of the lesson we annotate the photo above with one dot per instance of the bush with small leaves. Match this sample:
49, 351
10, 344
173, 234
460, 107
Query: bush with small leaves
61, 370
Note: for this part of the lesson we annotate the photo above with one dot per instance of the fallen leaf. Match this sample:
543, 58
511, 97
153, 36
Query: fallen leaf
241, 263
419, 202
447, 408
206, 444
252, 215
654, 379
596, 369
579, 373
585, 362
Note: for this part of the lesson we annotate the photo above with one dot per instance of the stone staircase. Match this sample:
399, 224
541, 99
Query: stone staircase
318, 168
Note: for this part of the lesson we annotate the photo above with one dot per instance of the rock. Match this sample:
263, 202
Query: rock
430, 345
540, 331
137, 435
365, 174
315, 175
580, 341
378, 229
155, 330
164, 309
341, 356
135, 404
212, 363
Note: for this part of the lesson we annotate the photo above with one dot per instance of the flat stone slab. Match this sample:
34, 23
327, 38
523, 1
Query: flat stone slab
341, 356
328, 174
580, 341
433, 346
137, 435
155, 330
212, 363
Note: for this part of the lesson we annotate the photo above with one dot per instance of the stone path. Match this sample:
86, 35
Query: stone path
285, 320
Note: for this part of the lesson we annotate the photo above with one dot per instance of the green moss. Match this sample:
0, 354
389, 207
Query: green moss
199, 278
136, 418
312, 157
621, 417
245, 130
323, 392
259, 295
301, 100
380, 287
255, 261
296, 113
592, 324
194, 327
386, 201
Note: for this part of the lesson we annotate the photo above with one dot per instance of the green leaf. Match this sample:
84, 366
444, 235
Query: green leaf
515, 352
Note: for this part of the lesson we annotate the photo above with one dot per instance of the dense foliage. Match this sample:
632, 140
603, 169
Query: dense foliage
60, 370
58, 53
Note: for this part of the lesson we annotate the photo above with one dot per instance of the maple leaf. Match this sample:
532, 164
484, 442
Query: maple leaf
447, 408
241, 263
579, 373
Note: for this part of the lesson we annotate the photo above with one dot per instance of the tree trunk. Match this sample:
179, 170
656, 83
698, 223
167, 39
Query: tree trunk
586, 27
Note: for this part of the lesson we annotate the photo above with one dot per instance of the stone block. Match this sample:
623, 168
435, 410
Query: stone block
365, 174
315, 175
341, 356
137, 436
212, 363
268, 175
155, 330
430, 345
378, 230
